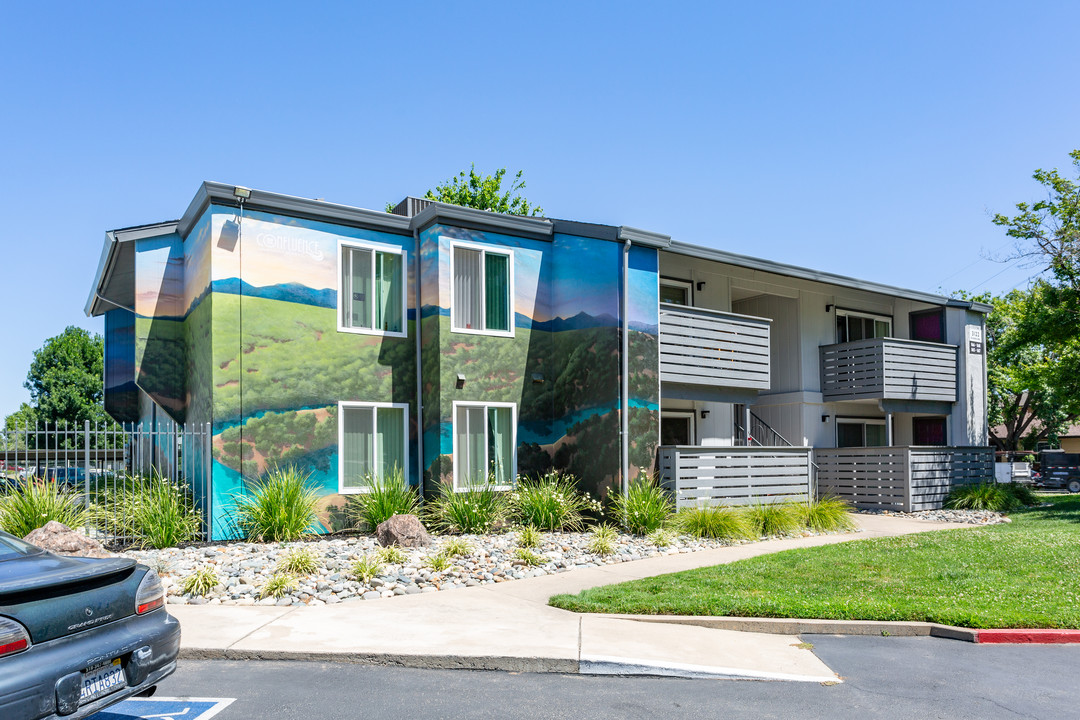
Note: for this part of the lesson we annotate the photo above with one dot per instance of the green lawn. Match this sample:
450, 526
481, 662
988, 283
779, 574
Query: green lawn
1025, 574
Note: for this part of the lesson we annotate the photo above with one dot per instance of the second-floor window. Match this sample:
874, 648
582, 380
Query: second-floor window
372, 293
482, 290
852, 326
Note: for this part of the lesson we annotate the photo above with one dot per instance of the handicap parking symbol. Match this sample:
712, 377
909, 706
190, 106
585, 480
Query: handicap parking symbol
164, 709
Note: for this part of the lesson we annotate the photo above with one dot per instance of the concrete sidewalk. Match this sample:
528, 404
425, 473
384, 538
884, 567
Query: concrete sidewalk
509, 626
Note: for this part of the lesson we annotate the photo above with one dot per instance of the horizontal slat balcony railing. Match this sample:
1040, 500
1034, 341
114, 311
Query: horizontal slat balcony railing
902, 479
888, 369
735, 475
709, 347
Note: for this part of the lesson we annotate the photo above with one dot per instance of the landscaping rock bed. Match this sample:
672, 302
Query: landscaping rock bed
969, 517
243, 568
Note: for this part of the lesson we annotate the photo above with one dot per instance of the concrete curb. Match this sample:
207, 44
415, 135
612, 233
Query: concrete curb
796, 626
1047, 636
430, 662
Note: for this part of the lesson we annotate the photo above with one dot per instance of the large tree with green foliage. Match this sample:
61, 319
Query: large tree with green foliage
65, 381
484, 192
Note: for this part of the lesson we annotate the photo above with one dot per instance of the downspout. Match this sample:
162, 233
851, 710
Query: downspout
624, 415
419, 371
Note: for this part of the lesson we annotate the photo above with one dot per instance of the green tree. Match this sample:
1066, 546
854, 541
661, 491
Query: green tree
483, 192
65, 381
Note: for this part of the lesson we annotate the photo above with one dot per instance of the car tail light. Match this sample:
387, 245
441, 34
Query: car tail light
13, 637
150, 595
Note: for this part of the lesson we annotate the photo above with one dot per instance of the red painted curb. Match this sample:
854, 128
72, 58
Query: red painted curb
1044, 636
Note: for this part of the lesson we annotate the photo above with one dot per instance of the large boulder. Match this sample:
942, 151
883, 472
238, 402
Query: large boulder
403, 530
62, 540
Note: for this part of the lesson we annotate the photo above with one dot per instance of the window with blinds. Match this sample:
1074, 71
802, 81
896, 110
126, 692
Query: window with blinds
484, 445
372, 294
482, 294
372, 441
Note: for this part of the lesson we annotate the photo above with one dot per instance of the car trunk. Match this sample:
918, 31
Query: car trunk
55, 596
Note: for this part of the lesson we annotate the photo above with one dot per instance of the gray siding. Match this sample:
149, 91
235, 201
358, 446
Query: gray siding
903, 479
735, 475
706, 347
889, 369
784, 313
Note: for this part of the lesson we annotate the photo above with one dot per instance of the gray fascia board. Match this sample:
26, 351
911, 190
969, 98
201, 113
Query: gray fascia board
456, 215
319, 210
104, 265
970, 305
648, 238
802, 273
108, 258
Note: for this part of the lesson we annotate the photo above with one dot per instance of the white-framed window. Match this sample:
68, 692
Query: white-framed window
373, 441
677, 427
860, 432
371, 288
852, 326
482, 289
485, 444
676, 292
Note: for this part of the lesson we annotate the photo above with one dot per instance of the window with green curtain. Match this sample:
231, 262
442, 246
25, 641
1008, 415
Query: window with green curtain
497, 291
356, 268
357, 451
500, 444
388, 282
389, 440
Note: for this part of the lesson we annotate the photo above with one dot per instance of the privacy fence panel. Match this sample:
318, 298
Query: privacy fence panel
708, 347
735, 475
107, 469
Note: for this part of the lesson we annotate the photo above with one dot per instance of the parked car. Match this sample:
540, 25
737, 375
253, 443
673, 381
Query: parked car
78, 634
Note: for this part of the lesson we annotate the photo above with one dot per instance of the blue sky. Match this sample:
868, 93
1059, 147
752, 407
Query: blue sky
860, 138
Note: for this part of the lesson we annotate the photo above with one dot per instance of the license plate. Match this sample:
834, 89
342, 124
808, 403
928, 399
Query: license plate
101, 681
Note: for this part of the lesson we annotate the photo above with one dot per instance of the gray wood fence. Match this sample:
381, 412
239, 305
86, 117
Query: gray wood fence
903, 479
890, 369
708, 347
735, 475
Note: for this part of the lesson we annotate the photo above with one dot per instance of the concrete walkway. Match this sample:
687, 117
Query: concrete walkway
509, 626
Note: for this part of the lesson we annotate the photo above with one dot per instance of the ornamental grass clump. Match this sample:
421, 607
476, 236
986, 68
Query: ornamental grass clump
381, 499
438, 563
529, 537
644, 508
298, 561
32, 503
717, 522
202, 581
827, 514
602, 539
528, 557
365, 568
279, 585
551, 502
771, 519
280, 506
661, 538
392, 555
156, 513
457, 547
478, 509
996, 497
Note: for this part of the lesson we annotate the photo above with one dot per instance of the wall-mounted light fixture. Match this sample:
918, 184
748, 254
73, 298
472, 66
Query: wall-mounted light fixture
241, 193
828, 307
824, 418
460, 381
700, 285
704, 414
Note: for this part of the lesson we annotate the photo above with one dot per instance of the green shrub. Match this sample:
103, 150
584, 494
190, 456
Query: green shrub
365, 568
381, 499
279, 585
603, 539
661, 538
202, 581
457, 547
475, 510
280, 507
32, 503
769, 519
827, 514
529, 537
529, 557
155, 512
551, 502
644, 508
1023, 493
298, 561
392, 555
714, 521
982, 496
439, 562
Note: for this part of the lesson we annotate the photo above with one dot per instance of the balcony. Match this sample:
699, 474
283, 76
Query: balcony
708, 347
735, 475
888, 369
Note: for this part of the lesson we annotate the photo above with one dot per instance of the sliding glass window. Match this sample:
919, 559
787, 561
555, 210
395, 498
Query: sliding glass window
482, 294
371, 298
484, 444
372, 444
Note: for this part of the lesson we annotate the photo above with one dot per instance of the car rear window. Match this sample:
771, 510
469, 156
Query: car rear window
11, 547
